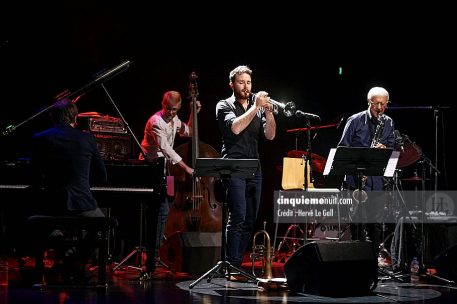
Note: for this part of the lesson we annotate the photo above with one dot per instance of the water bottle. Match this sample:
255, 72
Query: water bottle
414, 270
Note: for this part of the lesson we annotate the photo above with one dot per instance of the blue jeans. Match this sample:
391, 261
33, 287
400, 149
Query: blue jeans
161, 222
154, 230
243, 201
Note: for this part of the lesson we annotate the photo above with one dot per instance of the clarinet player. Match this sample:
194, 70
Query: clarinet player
369, 128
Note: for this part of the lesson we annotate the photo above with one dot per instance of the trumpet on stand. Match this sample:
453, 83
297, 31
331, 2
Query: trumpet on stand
264, 252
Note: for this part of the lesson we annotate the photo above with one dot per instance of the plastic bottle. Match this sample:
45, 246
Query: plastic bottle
414, 270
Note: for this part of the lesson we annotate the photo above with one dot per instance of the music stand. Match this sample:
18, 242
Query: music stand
224, 169
362, 161
355, 160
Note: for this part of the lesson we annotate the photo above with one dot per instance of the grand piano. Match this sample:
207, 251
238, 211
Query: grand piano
132, 195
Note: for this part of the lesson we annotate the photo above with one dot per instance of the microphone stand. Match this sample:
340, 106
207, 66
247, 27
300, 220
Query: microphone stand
307, 167
436, 116
309, 156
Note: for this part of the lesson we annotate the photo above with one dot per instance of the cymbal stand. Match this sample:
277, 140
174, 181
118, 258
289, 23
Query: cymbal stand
426, 161
398, 194
290, 240
400, 204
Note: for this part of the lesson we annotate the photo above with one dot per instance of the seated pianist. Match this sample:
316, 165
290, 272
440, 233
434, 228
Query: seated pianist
63, 159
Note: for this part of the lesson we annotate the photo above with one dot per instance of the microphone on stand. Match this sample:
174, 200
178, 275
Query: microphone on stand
300, 113
399, 140
339, 124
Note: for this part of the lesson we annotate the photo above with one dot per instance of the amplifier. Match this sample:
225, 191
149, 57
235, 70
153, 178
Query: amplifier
113, 146
95, 122
113, 141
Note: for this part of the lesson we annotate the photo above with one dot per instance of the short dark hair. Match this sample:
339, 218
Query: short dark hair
241, 69
64, 111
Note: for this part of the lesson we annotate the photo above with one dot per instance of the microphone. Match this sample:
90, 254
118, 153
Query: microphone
399, 140
339, 124
299, 113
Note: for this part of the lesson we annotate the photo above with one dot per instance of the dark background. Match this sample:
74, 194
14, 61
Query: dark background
296, 53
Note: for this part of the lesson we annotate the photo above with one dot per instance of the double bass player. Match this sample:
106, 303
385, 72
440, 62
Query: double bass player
158, 141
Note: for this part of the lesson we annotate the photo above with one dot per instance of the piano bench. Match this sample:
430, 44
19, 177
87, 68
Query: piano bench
43, 225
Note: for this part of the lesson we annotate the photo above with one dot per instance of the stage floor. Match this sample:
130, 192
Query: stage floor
125, 286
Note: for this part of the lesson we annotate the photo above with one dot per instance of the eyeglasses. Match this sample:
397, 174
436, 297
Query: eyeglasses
377, 104
173, 109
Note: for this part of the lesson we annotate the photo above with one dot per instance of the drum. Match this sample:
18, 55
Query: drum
410, 154
323, 231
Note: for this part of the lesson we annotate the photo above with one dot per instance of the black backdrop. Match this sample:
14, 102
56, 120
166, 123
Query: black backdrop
296, 53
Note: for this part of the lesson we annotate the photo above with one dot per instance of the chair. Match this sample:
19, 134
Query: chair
42, 225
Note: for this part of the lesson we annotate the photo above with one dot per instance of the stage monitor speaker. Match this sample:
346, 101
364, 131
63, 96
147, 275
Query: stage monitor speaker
191, 252
333, 268
446, 264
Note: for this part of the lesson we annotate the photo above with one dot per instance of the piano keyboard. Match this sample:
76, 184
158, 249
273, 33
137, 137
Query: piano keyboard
95, 189
12, 187
121, 189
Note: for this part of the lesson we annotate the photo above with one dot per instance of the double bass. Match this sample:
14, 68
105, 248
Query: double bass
194, 206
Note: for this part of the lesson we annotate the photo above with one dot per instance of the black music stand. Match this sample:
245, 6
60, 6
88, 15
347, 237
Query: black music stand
362, 161
224, 169
356, 160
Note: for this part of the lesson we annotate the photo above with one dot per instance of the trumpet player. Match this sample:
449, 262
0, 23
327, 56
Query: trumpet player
244, 119
369, 128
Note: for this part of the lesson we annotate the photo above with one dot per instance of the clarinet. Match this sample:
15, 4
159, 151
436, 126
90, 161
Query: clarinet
362, 196
378, 131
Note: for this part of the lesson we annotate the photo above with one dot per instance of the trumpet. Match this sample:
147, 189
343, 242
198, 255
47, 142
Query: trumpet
263, 252
288, 109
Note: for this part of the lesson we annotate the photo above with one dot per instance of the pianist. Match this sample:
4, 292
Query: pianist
63, 160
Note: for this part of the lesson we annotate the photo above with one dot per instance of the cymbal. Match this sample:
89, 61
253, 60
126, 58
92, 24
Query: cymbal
318, 162
414, 178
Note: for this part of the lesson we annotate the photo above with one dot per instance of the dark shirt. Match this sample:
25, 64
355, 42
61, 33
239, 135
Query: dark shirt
245, 144
62, 158
358, 132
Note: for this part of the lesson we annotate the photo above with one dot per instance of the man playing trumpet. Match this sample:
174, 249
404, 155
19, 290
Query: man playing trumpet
244, 119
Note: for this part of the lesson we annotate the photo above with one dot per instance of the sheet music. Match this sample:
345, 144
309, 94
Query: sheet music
392, 164
328, 164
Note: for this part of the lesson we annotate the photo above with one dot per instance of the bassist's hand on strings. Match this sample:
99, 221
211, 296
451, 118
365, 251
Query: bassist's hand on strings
198, 106
186, 168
